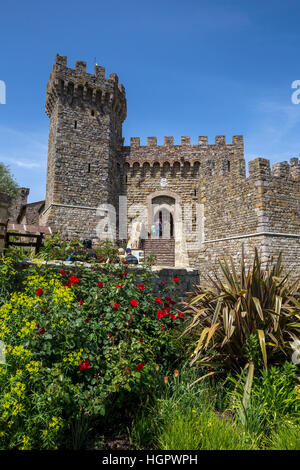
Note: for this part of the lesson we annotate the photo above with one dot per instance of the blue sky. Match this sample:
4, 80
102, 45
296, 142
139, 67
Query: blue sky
189, 68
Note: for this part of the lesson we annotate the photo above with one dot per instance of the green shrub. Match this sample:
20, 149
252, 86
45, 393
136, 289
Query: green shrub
258, 302
274, 397
204, 431
80, 345
55, 248
10, 278
179, 433
180, 417
286, 437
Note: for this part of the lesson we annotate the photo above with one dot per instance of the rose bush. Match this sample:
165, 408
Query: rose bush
80, 342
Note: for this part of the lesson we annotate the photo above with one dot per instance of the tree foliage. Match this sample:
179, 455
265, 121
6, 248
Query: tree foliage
8, 184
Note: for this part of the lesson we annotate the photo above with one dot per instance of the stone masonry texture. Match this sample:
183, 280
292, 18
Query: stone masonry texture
88, 165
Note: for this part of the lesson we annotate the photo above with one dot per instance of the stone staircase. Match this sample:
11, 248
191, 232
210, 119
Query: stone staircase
164, 249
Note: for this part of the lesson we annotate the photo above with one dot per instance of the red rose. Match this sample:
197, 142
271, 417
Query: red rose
100, 284
117, 306
133, 303
124, 274
140, 366
124, 262
62, 272
176, 279
163, 283
142, 339
102, 315
168, 299
158, 301
39, 292
120, 286
162, 327
160, 314
109, 335
140, 286
84, 365
180, 314
173, 317
41, 332
80, 302
73, 279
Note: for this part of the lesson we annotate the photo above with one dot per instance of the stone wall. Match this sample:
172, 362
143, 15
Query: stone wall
30, 213
215, 209
175, 172
261, 211
18, 204
86, 112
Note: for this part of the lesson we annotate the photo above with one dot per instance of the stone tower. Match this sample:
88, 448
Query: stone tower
15, 208
86, 113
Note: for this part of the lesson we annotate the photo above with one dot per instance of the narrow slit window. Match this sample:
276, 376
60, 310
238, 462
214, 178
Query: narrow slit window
89, 168
75, 124
93, 112
195, 192
228, 165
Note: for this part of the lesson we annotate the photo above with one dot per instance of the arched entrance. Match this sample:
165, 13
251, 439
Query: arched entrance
162, 217
170, 245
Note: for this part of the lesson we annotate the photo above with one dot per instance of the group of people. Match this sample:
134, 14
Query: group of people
88, 252
156, 229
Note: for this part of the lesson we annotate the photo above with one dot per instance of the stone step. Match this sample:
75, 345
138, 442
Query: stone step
159, 245
164, 249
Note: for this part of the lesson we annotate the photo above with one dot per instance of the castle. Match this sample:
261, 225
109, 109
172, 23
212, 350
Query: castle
206, 205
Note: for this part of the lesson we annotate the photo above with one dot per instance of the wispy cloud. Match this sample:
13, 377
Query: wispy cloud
33, 139
275, 133
23, 149
21, 163
279, 118
26, 155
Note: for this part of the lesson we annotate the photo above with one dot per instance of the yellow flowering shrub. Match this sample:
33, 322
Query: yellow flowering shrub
75, 346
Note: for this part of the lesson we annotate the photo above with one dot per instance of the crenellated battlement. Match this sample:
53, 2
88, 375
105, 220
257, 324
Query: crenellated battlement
220, 140
260, 169
76, 86
217, 158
